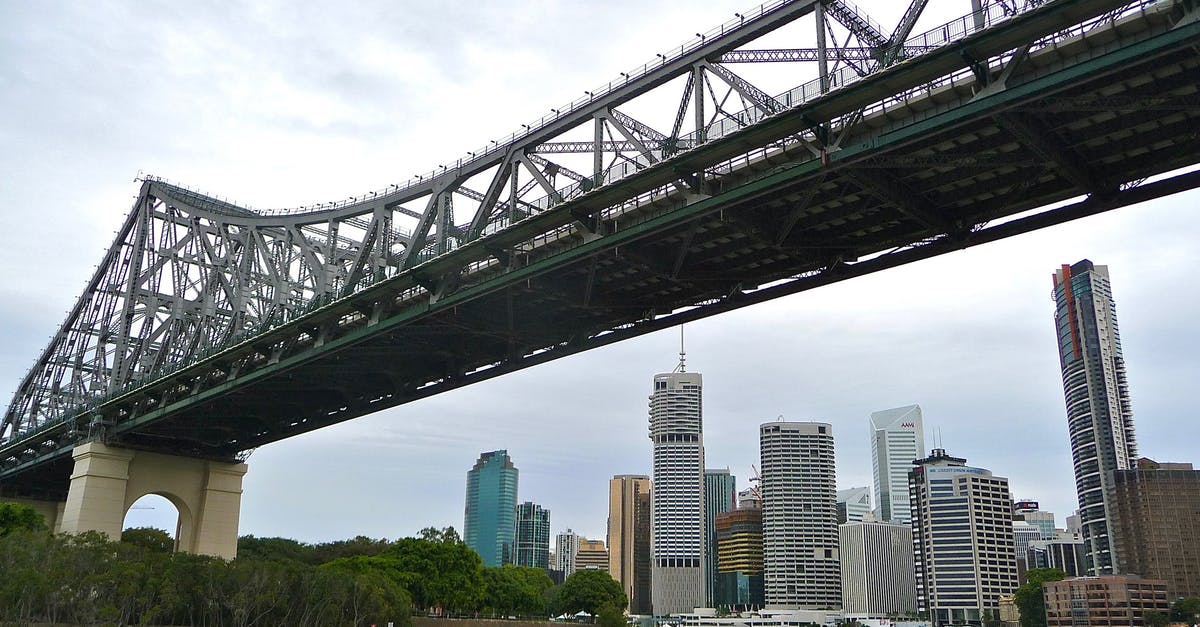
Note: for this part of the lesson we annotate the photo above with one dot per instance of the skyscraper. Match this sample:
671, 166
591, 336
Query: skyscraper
677, 582
1099, 415
566, 546
720, 496
962, 539
877, 569
799, 512
897, 439
533, 535
1155, 523
491, 512
853, 504
739, 559
629, 538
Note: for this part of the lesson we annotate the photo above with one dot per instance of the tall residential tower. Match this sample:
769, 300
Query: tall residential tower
677, 582
491, 512
533, 535
897, 440
1099, 416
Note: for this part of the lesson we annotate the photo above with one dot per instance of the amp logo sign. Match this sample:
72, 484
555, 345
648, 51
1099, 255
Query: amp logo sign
908, 425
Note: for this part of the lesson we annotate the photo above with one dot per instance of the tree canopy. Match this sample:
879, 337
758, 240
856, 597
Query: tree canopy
589, 590
18, 517
1186, 610
1029, 598
515, 590
149, 538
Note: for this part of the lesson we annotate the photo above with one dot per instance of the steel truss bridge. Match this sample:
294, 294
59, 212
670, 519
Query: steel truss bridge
211, 328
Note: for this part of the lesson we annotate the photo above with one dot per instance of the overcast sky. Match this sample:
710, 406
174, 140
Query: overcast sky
283, 104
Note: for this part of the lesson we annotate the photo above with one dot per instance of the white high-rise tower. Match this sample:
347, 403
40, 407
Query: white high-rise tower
897, 440
799, 513
677, 582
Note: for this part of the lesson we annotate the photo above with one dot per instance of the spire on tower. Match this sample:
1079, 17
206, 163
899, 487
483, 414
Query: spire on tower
682, 367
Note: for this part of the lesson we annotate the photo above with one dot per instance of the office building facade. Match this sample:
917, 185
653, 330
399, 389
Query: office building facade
897, 439
629, 538
1099, 414
1065, 554
491, 511
739, 559
853, 504
677, 583
1024, 535
962, 539
591, 555
1109, 601
1030, 512
1155, 524
799, 509
720, 496
877, 570
533, 535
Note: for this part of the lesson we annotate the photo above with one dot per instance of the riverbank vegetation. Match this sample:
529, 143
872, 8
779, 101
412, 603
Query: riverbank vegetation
90, 580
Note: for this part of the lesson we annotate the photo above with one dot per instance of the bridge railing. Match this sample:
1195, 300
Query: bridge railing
930, 40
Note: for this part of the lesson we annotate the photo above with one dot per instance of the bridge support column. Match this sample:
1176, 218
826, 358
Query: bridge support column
108, 480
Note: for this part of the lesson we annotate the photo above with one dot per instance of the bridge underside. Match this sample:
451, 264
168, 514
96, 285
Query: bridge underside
962, 165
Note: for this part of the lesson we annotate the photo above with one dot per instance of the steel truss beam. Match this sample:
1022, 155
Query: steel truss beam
197, 292
793, 55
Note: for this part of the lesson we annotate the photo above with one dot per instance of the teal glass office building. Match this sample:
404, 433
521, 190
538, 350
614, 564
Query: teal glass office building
491, 511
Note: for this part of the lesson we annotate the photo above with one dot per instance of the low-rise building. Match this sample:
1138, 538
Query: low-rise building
591, 555
1108, 601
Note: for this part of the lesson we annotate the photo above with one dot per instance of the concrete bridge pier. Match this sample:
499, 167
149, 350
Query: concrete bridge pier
107, 481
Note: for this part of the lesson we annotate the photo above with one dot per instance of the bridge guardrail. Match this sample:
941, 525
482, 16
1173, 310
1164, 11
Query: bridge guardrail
931, 40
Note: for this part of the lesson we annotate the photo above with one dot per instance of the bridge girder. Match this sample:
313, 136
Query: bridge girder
205, 312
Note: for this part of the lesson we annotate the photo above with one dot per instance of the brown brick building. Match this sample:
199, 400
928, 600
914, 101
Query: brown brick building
1111, 600
1155, 524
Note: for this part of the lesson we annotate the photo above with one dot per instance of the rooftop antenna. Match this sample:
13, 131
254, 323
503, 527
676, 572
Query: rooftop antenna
682, 367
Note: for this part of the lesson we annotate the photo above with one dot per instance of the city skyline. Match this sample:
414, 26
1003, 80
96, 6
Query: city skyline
957, 334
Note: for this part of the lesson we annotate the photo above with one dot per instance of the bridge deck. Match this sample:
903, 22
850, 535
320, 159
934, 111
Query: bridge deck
933, 167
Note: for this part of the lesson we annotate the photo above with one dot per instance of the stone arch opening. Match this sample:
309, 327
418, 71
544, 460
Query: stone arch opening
159, 510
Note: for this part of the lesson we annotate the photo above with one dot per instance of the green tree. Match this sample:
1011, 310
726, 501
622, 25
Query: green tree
149, 538
371, 593
515, 590
1029, 598
445, 535
589, 590
18, 517
275, 549
609, 615
1157, 619
442, 575
359, 545
1186, 610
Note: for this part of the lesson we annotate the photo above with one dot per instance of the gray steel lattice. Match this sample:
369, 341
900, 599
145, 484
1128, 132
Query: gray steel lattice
198, 293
